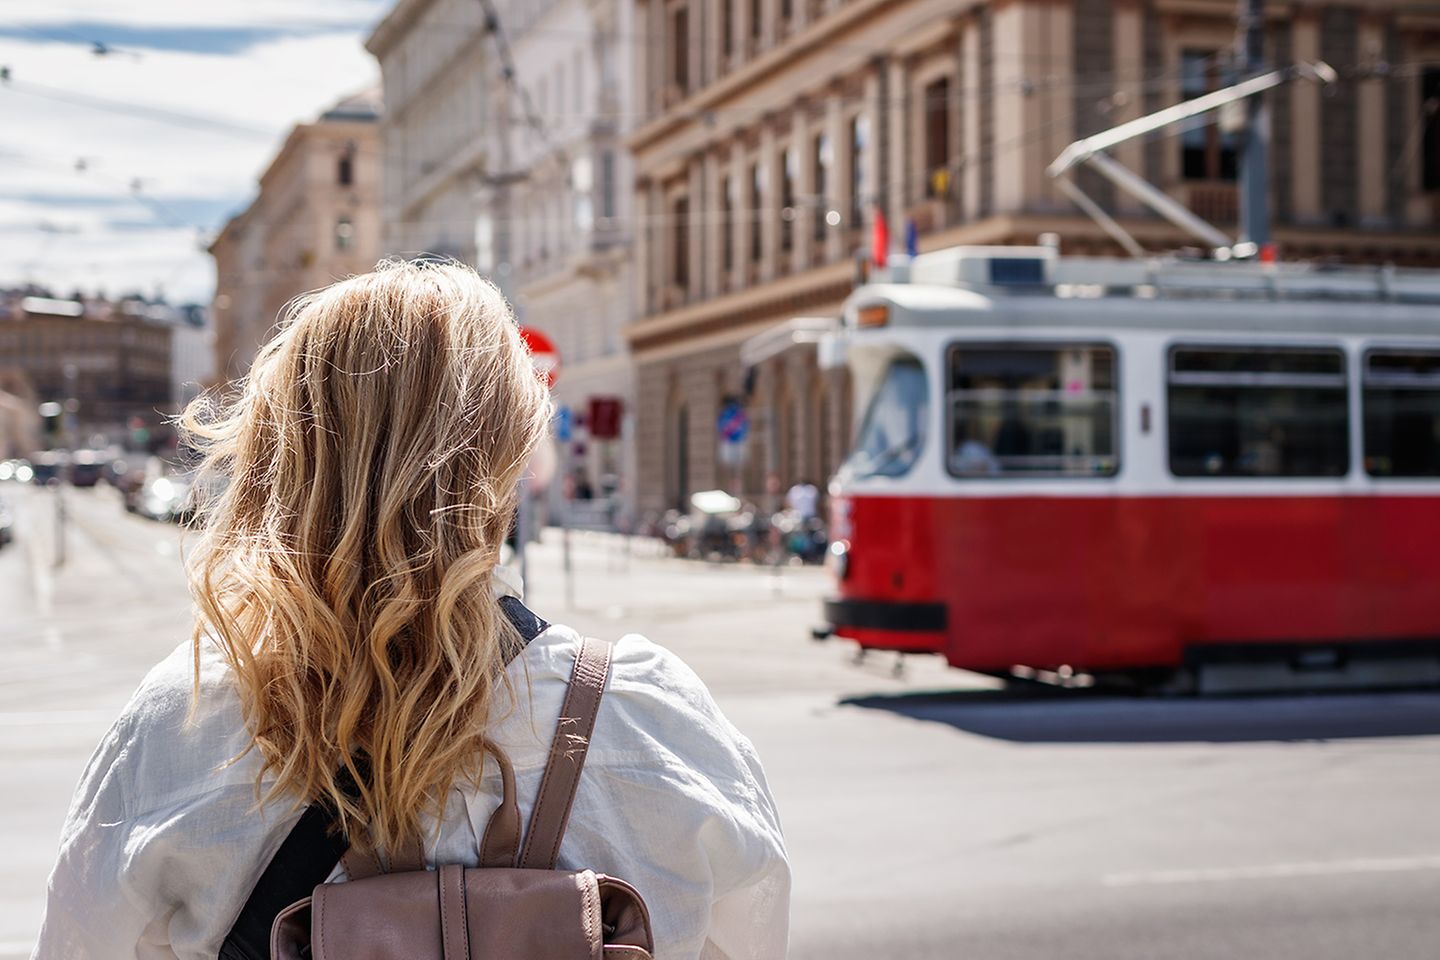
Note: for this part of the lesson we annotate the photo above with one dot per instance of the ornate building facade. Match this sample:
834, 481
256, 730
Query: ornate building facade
773, 132
518, 167
316, 219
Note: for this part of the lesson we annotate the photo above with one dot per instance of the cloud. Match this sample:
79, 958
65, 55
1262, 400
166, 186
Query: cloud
171, 14
121, 39
128, 120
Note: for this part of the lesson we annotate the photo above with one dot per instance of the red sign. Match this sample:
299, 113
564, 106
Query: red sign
604, 418
543, 352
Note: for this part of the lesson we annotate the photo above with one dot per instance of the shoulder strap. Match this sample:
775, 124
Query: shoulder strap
567, 755
313, 847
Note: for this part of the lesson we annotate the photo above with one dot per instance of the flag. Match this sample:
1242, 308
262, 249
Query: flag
912, 238
880, 239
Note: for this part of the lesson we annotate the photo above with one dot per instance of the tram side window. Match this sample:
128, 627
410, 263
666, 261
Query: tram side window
893, 432
1258, 412
1402, 413
1043, 410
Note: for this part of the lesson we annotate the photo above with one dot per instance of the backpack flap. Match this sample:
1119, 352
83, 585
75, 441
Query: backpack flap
539, 914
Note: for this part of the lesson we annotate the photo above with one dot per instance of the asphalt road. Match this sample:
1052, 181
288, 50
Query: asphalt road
928, 815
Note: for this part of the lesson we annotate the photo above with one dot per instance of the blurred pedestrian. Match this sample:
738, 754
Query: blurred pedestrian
359, 647
804, 498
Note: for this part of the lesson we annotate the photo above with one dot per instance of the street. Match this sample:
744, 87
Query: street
929, 814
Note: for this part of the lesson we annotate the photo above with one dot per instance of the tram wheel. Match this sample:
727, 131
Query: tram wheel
1149, 681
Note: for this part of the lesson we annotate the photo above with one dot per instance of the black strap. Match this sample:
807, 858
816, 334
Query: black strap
309, 854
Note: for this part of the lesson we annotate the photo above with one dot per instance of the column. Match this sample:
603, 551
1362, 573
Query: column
799, 16
1128, 39
1370, 144
769, 205
644, 276
652, 54
769, 20
698, 204
801, 139
1058, 118
712, 11
897, 166
1020, 62
656, 219
838, 189
740, 213
970, 87
744, 49
1305, 121
709, 214
870, 155
696, 58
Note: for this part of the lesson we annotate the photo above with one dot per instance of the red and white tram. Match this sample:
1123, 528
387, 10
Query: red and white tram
1113, 466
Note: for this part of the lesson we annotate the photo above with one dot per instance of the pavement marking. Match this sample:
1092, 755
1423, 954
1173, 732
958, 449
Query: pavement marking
1313, 868
40, 718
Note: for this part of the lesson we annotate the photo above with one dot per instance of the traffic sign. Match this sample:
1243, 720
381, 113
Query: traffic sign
543, 352
604, 418
733, 424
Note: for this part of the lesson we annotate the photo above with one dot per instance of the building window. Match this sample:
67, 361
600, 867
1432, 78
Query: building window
344, 234
681, 244
1430, 117
757, 20
788, 212
1206, 153
757, 193
727, 28
859, 135
727, 225
579, 82
1044, 410
345, 168
680, 44
485, 243
607, 184
582, 186
1401, 400
937, 138
822, 159
1258, 412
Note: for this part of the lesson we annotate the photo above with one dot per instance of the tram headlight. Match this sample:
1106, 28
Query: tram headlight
837, 558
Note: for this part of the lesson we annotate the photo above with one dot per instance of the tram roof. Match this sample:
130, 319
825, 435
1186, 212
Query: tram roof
957, 287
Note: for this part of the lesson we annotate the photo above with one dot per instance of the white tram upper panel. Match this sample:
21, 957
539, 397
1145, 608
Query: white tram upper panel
1011, 371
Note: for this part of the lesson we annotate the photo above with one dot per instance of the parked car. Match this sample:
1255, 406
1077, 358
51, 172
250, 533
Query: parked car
86, 468
49, 467
165, 498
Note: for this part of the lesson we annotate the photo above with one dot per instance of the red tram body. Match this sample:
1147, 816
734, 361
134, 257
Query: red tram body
1108, 466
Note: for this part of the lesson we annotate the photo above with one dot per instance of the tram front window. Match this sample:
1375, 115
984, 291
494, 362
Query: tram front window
1041, 410
1258, 412
1402, 413
893, 432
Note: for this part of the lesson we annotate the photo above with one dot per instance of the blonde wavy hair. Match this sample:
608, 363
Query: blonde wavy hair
369, 467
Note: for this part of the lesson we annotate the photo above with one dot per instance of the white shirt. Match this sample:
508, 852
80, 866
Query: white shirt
163, 842
803, 498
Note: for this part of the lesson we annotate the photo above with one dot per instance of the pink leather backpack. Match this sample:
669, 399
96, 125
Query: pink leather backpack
514, 906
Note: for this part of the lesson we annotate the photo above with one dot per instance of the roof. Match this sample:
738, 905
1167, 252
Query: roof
394, 26
361, 107
955, 309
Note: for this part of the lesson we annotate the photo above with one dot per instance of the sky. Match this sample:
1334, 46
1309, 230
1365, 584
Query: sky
117, 168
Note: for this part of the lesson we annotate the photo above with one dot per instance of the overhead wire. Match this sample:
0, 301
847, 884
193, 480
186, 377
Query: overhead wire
138, 110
